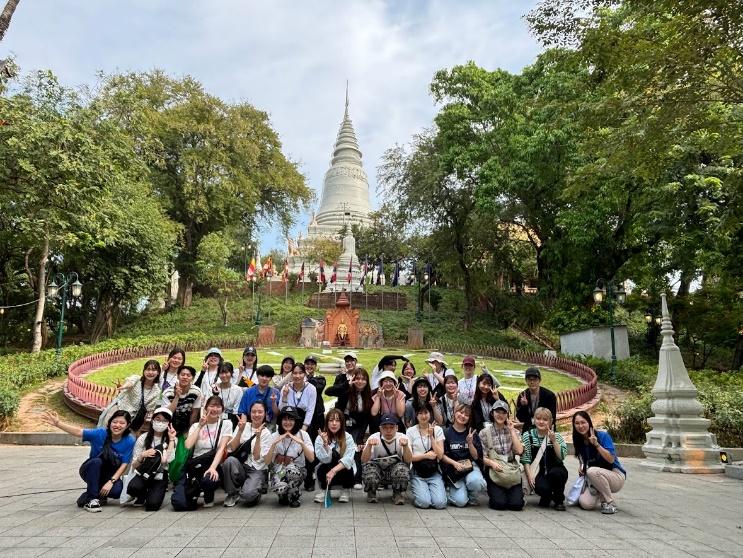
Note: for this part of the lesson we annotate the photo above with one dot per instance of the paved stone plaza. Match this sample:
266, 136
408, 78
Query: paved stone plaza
661, 514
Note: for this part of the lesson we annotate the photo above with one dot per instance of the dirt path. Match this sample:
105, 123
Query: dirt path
47, 397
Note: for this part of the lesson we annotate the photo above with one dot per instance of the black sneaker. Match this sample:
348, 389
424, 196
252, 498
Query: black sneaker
544, 503
294, 503
82, 499
93, 506
559, 506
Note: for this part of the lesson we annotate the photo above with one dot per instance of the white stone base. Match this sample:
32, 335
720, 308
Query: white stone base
596, 342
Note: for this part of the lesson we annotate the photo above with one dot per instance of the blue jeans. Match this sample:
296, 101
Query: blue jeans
467, 488
91, 473
428, 492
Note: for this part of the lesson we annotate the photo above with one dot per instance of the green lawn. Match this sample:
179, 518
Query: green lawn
511, 385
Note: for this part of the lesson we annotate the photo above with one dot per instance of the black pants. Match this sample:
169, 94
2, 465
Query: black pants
344, 478
358, 436
551, 485
150, 491
504, 498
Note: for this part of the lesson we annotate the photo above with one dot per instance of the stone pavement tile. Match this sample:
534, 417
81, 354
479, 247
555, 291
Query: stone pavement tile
415, 542
169, 541
22, 552
325, 552
331, 531
421, 553
278, 551
459, 542
201, 553
575, 543
689, 546
533, 544
156, 553
253, 540
46, 542
204, 541
590, 553
66, 552
217, 531
367, 552
243, 552
111, 552
495, 542
459, 552
544, 553
7, 542
506, 553
372, 532
339, 543
125, 540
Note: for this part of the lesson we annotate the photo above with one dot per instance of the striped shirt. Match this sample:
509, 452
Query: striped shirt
526, 457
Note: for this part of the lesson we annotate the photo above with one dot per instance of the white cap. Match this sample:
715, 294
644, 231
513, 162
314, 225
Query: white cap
387, 374
436, 357
350, 354
214, 351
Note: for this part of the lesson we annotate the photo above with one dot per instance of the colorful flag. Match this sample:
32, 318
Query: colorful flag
349, 277
396, 276
267, 265
321, 275
334, 277
301, 274
251, 269
366, 269
285, 275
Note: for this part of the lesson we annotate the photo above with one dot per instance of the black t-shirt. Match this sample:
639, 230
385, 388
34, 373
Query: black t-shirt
455, 444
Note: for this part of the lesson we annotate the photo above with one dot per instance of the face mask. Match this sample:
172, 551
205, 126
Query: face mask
159, 426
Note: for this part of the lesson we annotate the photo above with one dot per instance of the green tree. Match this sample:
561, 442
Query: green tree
214, 165
213, 253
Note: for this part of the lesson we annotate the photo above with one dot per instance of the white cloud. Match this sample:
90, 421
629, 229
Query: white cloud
288, 57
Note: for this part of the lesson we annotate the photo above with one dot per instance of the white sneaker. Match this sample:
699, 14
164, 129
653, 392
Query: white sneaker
608, 508
358, 486
209, 504
319, 497
230, 500
93, 506
345, 496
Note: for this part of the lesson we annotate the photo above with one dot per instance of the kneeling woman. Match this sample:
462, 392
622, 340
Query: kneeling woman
427, 447
245, 473
287, 455
550, 481
110, 454
152, 454
501, 443
208, 439
599, 463
462, 448
335, 450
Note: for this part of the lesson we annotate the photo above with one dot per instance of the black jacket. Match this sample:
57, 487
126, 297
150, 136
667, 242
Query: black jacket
547, 399
477, 419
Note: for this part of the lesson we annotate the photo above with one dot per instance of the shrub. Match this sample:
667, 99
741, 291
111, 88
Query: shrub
629, 422
9, 401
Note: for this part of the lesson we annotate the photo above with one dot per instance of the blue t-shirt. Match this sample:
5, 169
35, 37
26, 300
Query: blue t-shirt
97, 437
252, 395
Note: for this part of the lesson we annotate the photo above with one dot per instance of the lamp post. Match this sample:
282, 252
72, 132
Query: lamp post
258, 308
418, 297
72, 282
610, 293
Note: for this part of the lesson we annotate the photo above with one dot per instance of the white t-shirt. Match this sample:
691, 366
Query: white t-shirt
467, 389
422, 444
208, 436
231, 397
292, 449
265, 441
394, 445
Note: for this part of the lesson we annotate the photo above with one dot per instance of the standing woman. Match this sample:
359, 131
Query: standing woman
110, 454
246, 373
444, 411
407, 377
300, 394
427, 446
550, 481
184, 401
335, 451
421, 396
230, 394
176, 359
388, 401
209, 375
468, 384
138, 396
285, 372
462, 448
245, 473
208, 439
153, 452
355, 402
486, 394
599, 463
318, 418
287, 455
438, 370
501, 443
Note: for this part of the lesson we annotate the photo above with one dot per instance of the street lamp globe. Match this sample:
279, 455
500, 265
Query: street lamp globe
77, 288
648, 316
598, 295
658, 320
52, 290
621, 295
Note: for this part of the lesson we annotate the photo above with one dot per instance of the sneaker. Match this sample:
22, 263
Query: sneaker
83, 499
319, 497
358, 486
93, 506
371, 497
559, 506
608, 508
209, 504
295, 503
138, 503
345, 496
230, 500
473, 503
398, 499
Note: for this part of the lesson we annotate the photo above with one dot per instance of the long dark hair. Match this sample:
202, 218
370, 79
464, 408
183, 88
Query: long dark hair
262, 404
340, 437
416, 400
579, 443
255, 364
366, 400
125, 433
151, 362
151, 432
174, 351
490, 398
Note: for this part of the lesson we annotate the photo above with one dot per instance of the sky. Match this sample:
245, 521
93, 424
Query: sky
290, 58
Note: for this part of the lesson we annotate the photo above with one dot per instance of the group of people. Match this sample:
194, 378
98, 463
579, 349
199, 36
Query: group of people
434, 438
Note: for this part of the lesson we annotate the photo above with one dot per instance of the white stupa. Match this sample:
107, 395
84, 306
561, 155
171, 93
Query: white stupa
344, 202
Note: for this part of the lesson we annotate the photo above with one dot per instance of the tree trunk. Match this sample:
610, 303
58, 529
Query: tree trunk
41, 294
738, 356
185, 291
6, 15
103, 319
223, 309
467, 279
